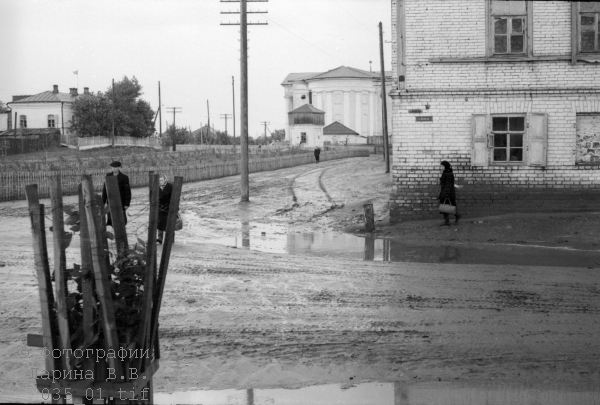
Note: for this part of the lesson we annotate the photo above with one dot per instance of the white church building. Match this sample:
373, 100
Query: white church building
349, 96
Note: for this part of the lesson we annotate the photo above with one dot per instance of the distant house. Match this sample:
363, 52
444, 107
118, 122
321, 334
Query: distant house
4, 120
305, 125
49, 109
345, 94
337, 133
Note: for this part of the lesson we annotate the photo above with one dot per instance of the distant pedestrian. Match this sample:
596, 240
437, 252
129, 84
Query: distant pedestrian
447, 193
124, 190
164, 200
317, 153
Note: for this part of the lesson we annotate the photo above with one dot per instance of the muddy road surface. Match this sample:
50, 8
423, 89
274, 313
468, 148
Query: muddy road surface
239, 317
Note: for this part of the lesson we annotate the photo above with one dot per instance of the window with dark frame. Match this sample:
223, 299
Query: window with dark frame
509, 31
22, 121
51, 121
302, 137
589, 26
508, 136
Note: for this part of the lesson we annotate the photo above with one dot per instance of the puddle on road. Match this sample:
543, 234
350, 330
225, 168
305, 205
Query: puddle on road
384, 394
279, 238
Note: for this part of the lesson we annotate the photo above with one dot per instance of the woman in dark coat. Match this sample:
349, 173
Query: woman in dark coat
447, 192
164, 199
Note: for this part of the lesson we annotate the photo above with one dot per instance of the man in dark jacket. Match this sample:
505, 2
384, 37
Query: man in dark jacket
124, 189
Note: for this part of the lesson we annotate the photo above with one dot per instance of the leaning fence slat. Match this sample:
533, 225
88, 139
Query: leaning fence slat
60, 269
117, 215
87, 276
164, 258
40, 252
101, 276
149, 275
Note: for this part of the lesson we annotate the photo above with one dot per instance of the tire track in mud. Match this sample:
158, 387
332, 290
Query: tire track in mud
294, 184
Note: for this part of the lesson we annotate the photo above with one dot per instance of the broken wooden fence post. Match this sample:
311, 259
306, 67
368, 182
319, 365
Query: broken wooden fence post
87, 282
40, 254
149, 276
369, 217
60, 269
164, 258
369, 253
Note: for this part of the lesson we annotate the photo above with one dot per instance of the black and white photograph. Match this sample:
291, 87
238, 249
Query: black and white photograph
300, 202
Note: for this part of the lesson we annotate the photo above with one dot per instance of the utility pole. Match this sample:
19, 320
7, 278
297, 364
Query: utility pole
174, 110
233, 115
225, 117
208, 113
243, 23
113, 114
159, 112
265, 123
386, 151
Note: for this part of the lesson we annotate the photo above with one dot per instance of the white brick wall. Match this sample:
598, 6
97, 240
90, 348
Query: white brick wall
454, 91
456, 29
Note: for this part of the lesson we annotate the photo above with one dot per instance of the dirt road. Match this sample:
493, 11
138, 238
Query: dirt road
242, 318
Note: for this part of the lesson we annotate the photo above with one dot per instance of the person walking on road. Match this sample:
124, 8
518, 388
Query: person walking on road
124, 190
164, 200
317, 153
447, 191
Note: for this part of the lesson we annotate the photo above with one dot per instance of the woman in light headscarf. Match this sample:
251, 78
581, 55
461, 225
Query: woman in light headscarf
164, 199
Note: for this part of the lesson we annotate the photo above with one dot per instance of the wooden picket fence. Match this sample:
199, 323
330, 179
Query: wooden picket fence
103, 141
12, 183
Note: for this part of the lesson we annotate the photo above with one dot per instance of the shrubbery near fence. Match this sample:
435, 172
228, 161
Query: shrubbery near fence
13, 182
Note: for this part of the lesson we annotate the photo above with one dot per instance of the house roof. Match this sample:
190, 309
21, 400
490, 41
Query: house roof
20, 132
340, 72
337, 128
346, 72
295, 77
46, 97
307, 108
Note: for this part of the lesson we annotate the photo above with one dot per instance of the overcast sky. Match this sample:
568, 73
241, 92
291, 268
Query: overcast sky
182, 44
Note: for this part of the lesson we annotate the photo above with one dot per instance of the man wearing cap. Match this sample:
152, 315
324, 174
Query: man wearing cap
124, 189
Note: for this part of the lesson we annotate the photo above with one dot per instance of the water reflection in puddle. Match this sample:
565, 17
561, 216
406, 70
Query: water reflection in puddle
279, 238
385, 394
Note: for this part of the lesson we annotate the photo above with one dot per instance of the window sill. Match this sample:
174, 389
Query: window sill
590, 164
504, 59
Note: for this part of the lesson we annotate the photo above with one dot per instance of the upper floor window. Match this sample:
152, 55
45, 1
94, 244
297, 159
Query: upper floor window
588, 26
51, 121
509, 27
22, 121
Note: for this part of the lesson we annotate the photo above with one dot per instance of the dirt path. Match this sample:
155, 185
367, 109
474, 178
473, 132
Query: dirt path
239, 318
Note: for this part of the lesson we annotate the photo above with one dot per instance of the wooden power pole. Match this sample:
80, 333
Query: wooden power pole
384, 103
243, 23
159, 112
233, 115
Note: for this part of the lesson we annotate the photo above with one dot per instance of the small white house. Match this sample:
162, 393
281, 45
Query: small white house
4, 120
49, 109
305, 126
337, 133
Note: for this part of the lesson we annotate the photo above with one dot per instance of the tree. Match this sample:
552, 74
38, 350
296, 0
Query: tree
133, 116
93, 115
175, 136
278, 135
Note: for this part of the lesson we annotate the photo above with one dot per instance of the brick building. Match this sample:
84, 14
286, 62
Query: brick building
508, 92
